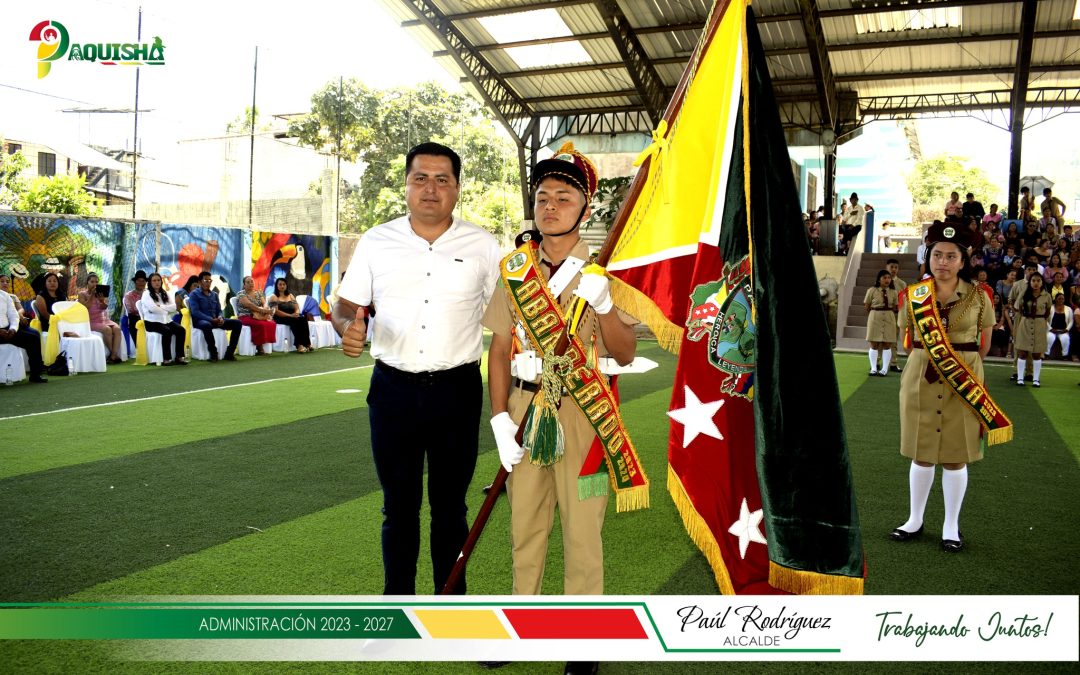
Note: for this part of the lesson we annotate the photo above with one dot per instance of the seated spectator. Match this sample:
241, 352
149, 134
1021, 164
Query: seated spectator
977, 240
205, 309
1000, 336
1067, 234
51, 293
5, 287
132, 297
1059, 285
993, 218
96, 300
1012, 237
994, 259
1004, 287
813, 231
972, 209
1062, 248
1074, 273
980, 275
1059, 326
181, 295
1010, 253
13, 332
252, 310
286, 311
158, 309
1054, 267
953, 207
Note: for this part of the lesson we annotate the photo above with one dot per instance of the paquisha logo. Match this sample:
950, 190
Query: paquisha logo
55, 43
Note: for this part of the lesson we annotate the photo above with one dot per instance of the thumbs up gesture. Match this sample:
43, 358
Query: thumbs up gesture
355, 335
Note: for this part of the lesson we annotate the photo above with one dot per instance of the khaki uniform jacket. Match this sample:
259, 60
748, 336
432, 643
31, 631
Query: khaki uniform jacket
935, 425
1031, 330
881, 319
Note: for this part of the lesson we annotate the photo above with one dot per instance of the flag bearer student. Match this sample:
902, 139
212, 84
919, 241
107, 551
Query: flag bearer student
947, 321
429, 275
563, 187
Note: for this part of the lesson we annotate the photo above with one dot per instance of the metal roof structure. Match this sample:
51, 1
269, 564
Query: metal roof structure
835, 64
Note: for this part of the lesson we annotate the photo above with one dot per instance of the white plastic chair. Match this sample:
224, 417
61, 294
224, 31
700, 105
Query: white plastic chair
199, 349
322, 331
87, 350
14, 363
154, 352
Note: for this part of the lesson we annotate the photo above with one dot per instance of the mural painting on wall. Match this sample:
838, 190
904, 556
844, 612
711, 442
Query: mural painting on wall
186, 251
302, 260
32, 246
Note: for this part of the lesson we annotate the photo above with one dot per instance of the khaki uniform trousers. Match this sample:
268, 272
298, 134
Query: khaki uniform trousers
535, 491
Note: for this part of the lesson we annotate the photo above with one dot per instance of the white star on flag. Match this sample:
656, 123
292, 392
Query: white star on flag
746, 528
696, 417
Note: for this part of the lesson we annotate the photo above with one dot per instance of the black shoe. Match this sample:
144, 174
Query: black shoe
169, 363
182, 362
214, 357
952, 545
582, 668
1012, 378
487, 488
229, 356
895, 368
904, 535
492, 665
38, 379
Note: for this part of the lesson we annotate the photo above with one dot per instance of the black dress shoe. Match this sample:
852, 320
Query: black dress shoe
582, 668
904, 535
229, 356
953, 545
38, 379
492, 665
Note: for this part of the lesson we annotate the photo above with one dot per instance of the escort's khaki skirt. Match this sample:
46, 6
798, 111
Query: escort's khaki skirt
881, 326
935, 425
1030, 335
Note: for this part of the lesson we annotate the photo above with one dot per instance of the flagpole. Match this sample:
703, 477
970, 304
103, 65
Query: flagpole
602, 258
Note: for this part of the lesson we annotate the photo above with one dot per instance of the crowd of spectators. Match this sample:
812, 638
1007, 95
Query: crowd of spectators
160, 310
1006, 255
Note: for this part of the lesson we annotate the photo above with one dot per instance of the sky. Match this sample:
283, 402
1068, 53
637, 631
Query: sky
209, 54
207, 77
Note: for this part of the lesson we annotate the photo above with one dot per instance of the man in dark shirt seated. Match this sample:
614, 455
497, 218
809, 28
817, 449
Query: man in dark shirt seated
206, 315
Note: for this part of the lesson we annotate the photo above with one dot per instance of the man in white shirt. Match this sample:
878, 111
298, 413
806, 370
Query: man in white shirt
851, 224
429, 276
13, 332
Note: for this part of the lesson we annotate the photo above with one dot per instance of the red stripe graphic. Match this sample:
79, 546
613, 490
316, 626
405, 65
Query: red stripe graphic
571, 624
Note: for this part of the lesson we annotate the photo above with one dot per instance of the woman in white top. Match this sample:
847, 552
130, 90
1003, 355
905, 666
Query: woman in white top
157, 310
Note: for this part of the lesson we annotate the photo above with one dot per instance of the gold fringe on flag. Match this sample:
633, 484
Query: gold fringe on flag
699, 532
802, 582
638, 305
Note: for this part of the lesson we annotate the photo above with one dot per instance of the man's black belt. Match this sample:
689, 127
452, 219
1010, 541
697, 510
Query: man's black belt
428, 376
527, 386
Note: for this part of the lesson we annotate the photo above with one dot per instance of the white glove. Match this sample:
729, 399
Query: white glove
504, 428
596, 290
527, 366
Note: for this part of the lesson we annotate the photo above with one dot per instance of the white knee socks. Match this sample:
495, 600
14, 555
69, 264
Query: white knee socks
1021, 370
873, 360
886, 356
1036, 369
953, 486
920, 480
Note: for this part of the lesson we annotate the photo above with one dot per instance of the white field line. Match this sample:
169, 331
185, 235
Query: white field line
180, 393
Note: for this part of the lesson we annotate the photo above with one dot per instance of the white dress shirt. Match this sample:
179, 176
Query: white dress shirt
9, 315
428, 298
157, 312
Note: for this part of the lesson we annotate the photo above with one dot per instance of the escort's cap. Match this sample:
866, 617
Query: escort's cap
569, 165
949, 231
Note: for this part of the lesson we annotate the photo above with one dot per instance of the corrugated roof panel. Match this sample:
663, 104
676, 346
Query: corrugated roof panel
583, 18
1056, 50
787, 67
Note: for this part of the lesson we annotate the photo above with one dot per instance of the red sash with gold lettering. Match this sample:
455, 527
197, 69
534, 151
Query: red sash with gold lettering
586, 386
926, 322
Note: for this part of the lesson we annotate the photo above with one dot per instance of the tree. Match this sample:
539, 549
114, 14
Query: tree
242, 123
379, 126
59, 194
934, 178
12, 182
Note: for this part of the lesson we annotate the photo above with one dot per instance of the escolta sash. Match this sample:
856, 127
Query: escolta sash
578, 374
926, 322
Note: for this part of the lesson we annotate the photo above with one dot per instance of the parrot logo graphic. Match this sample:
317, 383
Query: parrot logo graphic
53, 44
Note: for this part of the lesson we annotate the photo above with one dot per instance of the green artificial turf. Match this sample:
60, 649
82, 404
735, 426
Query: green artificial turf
269, 489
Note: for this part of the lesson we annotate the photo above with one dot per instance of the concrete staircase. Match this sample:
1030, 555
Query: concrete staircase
853, 334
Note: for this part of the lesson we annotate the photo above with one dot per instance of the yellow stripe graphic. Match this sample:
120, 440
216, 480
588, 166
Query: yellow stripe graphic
474, 624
